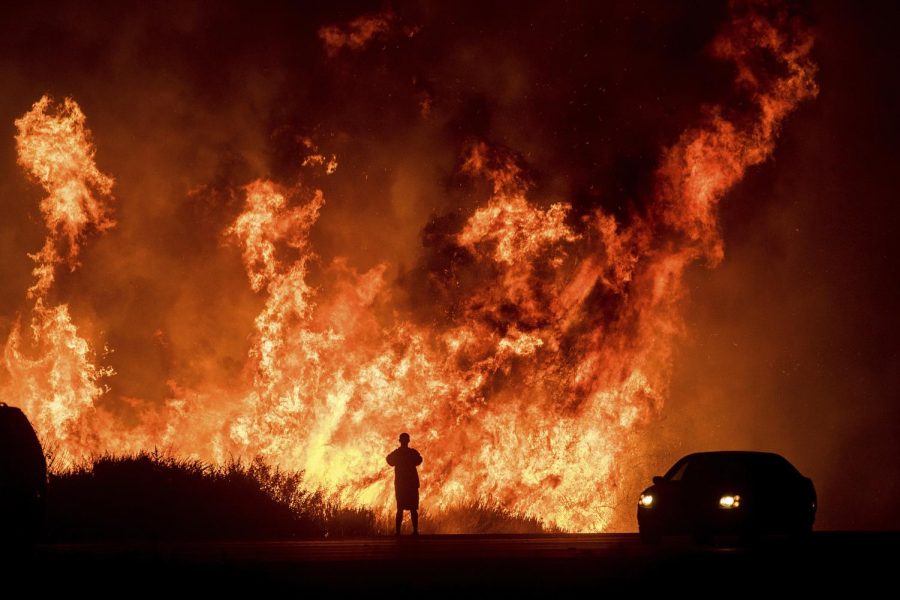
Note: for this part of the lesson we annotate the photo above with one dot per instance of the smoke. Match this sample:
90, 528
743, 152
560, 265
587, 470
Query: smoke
359, 32
515, 219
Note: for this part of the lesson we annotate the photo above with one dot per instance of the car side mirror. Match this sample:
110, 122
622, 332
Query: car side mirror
657, 480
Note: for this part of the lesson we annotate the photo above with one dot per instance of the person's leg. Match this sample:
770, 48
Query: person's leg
399, 520
415, 520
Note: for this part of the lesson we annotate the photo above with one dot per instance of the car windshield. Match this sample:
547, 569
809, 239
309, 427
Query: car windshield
730, 467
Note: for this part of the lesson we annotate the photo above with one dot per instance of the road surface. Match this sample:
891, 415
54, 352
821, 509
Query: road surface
474, 565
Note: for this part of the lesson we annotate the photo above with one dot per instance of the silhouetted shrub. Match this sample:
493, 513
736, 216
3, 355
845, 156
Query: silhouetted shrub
151, 496
154, 496
480, 517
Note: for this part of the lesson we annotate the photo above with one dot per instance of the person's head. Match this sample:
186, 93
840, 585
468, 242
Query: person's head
404, 439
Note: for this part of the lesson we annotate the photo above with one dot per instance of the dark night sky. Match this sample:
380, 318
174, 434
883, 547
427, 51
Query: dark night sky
794, 337
792, 341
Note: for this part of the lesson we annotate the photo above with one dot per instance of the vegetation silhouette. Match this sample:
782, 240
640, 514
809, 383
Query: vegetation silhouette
152, 496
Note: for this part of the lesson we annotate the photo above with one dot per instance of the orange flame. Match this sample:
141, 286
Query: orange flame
62, 382
532, 390
54, 147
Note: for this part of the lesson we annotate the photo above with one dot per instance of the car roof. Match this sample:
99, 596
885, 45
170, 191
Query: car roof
20, 448
10, 416
737, 454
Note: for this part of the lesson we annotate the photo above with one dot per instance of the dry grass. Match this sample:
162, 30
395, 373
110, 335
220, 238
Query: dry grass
154, 496
480, 517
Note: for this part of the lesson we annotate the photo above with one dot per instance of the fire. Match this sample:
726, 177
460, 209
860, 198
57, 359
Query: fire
60, 384
54, 147
557, 344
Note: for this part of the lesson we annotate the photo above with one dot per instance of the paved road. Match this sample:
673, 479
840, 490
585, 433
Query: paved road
470, 564
425, 547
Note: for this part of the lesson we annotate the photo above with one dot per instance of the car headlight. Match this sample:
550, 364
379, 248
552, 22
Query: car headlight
729, 501
646, 500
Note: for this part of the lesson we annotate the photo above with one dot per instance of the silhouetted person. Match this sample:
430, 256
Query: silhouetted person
406, 481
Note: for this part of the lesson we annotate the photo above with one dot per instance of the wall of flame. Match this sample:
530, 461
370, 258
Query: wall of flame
553, 346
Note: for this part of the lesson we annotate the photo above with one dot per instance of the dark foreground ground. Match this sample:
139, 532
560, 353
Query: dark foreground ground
476, 565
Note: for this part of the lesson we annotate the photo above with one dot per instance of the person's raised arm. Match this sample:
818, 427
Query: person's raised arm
418, 458
392, 458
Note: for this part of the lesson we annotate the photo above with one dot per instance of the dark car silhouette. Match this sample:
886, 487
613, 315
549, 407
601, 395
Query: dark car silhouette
730, 493
23, 477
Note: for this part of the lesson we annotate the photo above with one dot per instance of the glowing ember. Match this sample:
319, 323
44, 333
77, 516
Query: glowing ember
526, 394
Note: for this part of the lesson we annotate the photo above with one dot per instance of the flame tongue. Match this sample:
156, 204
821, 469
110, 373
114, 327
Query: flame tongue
54, 147
58, 387
531, 390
